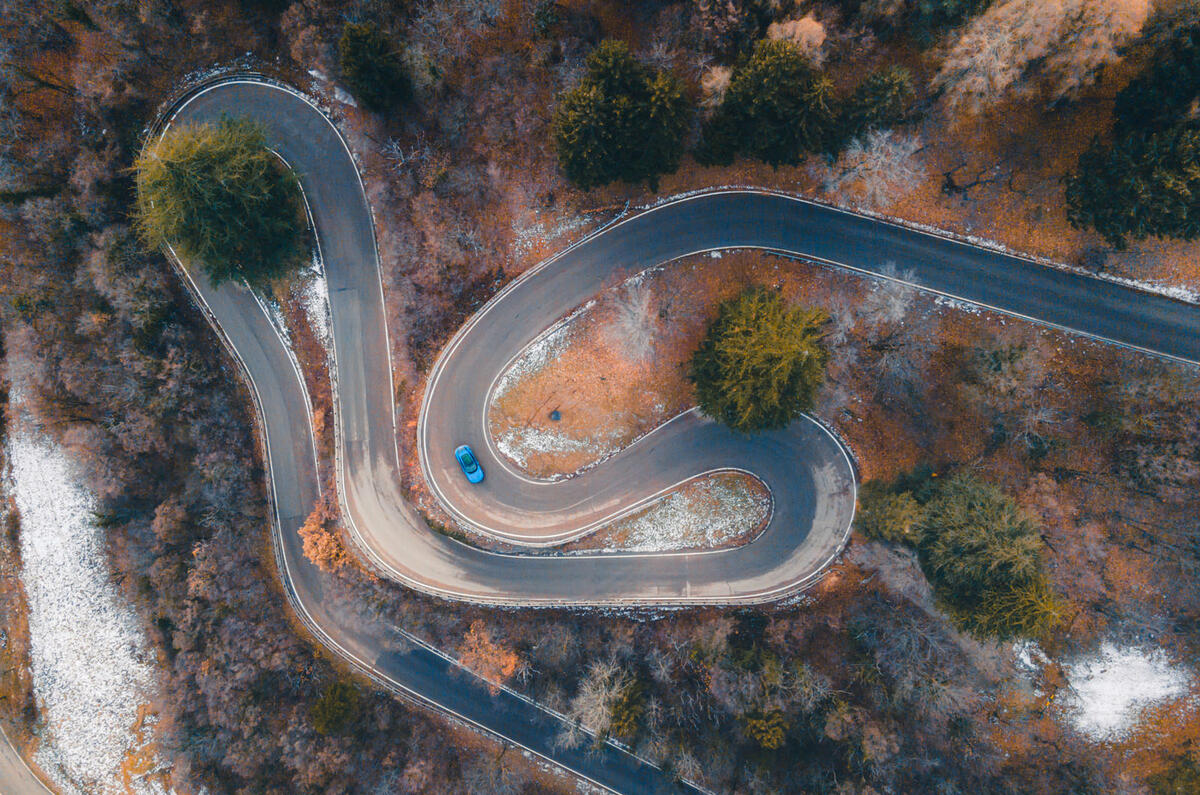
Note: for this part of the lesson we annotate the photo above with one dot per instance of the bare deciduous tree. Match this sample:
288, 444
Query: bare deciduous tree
875, 171
592, 704
488, 776
714, 84
635, 320
1071, 40
806, 32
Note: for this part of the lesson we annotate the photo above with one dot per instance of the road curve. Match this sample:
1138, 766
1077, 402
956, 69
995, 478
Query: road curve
808, 471
387, 654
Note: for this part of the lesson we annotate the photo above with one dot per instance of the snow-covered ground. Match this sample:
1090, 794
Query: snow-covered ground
315, 298
1108, 690
518, 444
91, 665
529, 236
703, 514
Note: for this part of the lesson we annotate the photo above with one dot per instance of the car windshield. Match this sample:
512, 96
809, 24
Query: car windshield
468, 460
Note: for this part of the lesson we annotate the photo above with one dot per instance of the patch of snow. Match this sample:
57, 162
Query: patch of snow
343, 96
1030, 661
1029, 656
544, 349
1108, 690
1178, 292
702, 515
518, 444
90, 662
526, 237
275, 314
315, 299
661, 200
957, 304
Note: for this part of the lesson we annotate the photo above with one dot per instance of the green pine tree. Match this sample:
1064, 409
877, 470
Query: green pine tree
761, 362
1165, 93
778, 108
337, 709
883, 100
621, 122
1143, 184
983, 555
1146, 181
223, 201
372, 68
885, 515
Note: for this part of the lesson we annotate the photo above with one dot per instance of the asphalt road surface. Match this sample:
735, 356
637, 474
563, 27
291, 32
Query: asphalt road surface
808, 472
16, 776
384, 652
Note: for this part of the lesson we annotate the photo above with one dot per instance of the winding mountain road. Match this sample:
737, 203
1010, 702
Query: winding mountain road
809, 473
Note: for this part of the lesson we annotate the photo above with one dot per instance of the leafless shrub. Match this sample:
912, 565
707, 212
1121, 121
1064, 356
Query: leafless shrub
874, 171
445, 29
557, 648
892, 298
688, 766
592, 704
660, 55
634, 321
714, 84
488, 776
806, 32
662, 665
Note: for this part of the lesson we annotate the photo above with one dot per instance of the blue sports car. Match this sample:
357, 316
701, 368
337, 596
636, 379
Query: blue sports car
468, 462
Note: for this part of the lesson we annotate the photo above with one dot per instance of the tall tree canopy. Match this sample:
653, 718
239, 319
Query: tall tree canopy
1141, 185
729, 26
621, 122
778, 108
1059, 47
372, 68
1163, 94
761, 362
223, 200
1145, 180
924, 20
884, 99
983, 555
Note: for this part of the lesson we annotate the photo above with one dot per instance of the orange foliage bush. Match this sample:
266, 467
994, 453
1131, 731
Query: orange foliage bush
487, 657
323, 543
1167, 734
